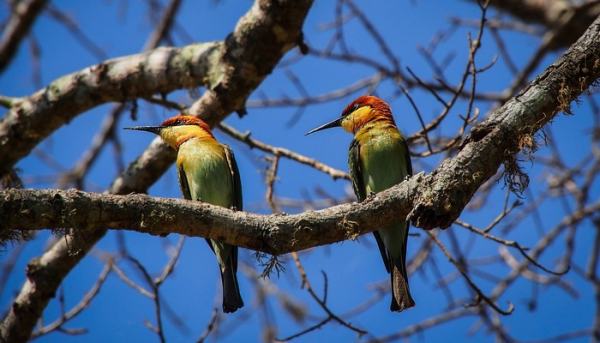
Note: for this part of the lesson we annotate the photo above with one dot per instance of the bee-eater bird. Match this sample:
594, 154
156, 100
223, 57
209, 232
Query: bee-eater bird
378, 159
207, 172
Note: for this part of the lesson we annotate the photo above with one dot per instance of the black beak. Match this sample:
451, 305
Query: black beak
335, 123
153, 129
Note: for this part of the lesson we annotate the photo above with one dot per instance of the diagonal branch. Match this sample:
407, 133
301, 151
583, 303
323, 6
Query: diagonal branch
161, 70
278, 151
18, 26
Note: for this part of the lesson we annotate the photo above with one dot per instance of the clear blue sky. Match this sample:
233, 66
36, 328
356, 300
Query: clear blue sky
118, 313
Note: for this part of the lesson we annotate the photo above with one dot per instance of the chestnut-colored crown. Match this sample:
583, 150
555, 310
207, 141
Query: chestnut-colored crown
186, 120
368, 100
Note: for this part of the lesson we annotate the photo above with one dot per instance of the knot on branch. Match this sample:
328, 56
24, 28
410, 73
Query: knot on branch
35, 271
266, 236
429, 214
440, 199
350, 228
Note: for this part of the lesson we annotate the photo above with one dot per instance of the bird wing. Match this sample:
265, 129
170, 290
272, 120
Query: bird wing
237, 193
406, 152
235, 178
409, 171
356, 170
183, 183
361, 192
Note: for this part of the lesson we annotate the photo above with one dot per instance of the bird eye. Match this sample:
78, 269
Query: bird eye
355, 107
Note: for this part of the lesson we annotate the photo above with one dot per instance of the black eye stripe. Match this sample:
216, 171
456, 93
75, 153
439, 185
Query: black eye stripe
351, 109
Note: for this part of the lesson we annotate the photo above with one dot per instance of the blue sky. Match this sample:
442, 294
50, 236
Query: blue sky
118, 313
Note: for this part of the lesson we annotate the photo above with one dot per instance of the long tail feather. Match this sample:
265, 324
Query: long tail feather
232, 299
401, 298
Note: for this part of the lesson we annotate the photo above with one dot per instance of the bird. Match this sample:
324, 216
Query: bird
207, 172
378, 159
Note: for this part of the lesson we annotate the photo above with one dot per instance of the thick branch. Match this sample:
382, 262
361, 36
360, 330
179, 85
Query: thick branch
158, 71
507, 130
275, 234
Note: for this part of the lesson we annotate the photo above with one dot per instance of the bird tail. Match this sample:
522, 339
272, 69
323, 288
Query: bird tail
401, 298
232, 299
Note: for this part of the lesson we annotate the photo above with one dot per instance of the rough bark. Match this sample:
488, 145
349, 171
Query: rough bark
18, 26
275, 234
267, 31
507, 130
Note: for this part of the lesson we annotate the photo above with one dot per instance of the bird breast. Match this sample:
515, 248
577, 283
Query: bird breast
383, 163
207, 172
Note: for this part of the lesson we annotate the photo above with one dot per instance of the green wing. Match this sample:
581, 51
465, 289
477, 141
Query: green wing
237, 193
356, 171
409, 173
183, 183
235, 178
361, 192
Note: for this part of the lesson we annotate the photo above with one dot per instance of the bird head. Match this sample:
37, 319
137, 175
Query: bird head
178, 129
362, 110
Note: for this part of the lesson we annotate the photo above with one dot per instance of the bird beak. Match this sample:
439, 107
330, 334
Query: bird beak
335, 123
153, 129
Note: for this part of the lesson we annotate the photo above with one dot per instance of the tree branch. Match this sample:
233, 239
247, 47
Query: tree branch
506, 131
161, 70
18, 26
275, 234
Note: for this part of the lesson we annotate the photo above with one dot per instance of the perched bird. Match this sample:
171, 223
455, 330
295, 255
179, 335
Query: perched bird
378, 159
207, 172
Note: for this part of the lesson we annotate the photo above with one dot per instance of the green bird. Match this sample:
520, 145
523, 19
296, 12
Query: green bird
378, 159
207, 172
